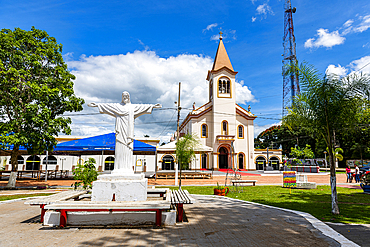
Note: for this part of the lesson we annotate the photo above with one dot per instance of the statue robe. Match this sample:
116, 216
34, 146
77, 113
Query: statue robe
125, 115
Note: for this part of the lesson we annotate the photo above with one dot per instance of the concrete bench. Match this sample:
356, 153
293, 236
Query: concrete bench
178, 199
236, 182
62, 196
87, 206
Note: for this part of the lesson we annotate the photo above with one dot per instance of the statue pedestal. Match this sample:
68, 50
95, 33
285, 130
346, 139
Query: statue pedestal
121, 187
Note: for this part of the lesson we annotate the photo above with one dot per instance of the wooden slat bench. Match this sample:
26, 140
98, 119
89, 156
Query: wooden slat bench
236, 182
88, 206
47, 200
178, 199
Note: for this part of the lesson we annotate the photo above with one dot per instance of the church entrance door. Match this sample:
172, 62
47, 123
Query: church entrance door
223, 158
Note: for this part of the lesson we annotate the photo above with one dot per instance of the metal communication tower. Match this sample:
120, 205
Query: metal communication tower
290, 81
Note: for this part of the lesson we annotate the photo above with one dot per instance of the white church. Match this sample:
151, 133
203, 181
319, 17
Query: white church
224, 128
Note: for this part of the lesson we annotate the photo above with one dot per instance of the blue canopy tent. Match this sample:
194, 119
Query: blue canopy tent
99, 143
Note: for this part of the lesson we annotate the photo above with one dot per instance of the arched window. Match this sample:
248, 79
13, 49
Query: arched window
204, 131
241, 161
224, 128
240, 131
33, 163
51, 160
210, 90
224, 86
260, 163
109, 164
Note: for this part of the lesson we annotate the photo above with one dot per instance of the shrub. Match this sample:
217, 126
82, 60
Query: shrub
85, 174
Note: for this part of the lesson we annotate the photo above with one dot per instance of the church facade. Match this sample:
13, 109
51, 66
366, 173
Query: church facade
224, 126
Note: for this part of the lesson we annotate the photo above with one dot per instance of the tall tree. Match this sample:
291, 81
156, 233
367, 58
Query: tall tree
36, 88
327, 104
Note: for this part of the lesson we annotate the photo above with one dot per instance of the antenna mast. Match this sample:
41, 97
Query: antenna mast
290, 81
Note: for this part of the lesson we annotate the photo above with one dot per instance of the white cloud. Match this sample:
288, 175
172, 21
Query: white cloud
215, 37
243, 93
149, 79
364, 25
361, 65
325, 39
336, 70
348, 23
264, 9
210, 26
254, 19
253, 1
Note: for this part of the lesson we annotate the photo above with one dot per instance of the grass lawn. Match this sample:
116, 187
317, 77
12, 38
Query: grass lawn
354, 205
11, 197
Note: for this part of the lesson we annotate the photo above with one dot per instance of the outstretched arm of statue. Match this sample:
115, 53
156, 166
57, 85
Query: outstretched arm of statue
92, 105
157, 106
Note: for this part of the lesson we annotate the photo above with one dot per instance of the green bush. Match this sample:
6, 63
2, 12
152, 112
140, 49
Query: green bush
85, 174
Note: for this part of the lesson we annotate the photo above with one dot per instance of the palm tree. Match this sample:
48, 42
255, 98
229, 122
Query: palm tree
327, 104
185, 151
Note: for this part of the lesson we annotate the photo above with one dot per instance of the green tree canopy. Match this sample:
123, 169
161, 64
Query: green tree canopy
327, 105
36, 89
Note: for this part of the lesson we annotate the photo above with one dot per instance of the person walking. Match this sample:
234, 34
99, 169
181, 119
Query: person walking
348, 171
357, 174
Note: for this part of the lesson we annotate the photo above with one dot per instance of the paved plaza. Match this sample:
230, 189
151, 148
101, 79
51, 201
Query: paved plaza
211, 221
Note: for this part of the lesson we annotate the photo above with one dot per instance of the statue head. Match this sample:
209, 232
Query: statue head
126, 97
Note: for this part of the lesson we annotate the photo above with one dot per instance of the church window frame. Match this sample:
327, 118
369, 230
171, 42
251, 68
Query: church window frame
224, 127
240, 131
204, 130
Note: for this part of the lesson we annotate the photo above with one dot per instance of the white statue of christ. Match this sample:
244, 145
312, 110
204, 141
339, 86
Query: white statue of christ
125, 113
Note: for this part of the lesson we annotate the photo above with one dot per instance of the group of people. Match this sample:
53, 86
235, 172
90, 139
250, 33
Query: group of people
356, 174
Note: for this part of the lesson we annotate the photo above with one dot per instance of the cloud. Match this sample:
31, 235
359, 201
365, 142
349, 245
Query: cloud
328, 40
364, 25
210, 26
264, 9
254, 19
149, 78
253, 1
325, 39
243, 93
215, 37
336, 70
361, 65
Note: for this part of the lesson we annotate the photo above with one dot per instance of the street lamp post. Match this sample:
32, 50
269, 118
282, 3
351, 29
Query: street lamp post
326, 164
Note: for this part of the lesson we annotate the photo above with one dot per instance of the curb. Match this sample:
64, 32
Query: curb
20, 199
318, 224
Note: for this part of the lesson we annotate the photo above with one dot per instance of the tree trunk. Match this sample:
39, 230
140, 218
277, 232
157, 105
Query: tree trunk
333, 183
13, 175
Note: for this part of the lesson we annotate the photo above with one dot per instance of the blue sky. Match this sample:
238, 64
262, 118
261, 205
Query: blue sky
147, 47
